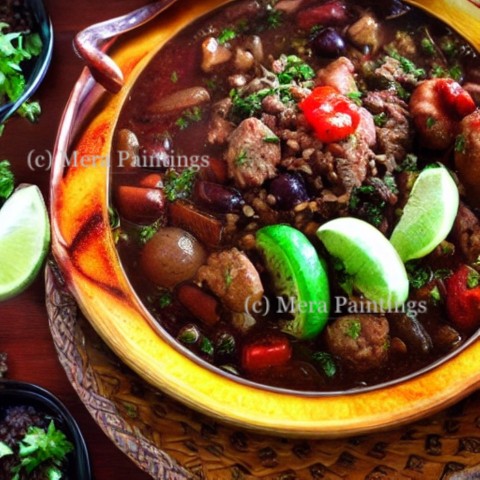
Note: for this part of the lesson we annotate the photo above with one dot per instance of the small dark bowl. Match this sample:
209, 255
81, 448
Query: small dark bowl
13, 393
36, 69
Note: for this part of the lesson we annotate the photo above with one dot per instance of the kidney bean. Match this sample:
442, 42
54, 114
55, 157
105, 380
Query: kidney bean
289, 190
217, 198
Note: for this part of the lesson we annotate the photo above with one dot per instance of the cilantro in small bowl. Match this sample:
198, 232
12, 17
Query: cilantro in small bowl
25, 53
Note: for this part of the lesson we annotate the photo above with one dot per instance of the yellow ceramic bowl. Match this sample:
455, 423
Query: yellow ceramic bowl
84, 248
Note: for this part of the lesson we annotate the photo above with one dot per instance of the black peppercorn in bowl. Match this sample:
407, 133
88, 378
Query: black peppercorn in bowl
25, 409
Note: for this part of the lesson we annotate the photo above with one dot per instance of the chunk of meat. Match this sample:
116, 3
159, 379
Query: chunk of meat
391, 71
366, 33
338, 74
220, 127
437, 106
360, 341
467, 156
351, 161
394, 135
252, 156
214, 54
366, 127
233, 278
466, 232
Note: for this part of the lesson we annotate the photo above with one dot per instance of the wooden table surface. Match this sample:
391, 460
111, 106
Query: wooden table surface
24, 332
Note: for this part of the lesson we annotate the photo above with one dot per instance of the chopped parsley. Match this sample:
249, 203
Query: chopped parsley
7, 180
174, 77
242, 158
178, 185
418, 275
274, 18
271, 139
435, 295
188, 116
295, 70
225, 344
473, 279
407, 65
427, 46
113, 218
327, 363
206, 346
356, 97
366, 203
249, 106
165, 300
460, 144
226, 35
456, 73
354, 329
147, 232
228, 277
410, 164
380, 119
431, 122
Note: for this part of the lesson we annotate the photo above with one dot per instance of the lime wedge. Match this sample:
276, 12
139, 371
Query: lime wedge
299, 277
24, 240
428, 215
371, 264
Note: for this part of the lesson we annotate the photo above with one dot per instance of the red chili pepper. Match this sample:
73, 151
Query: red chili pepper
268, 352
455, 97
332, 115
463, 298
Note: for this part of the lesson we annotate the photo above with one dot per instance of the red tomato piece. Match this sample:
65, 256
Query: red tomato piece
463, 298
332, 115
455, 97
268, 352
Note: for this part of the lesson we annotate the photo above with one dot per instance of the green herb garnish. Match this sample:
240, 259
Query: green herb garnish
274, 18
327, 363
174, 77
188, 116
295, 70
226, 35
16, 48
39, 446
7, 180
418, 275
356, 97
407, 65
271, 139
178, 185
428, 46
354, 329
147, 232
473, 279
460, 144
380, 119
206, 346
431, 122
241, 159
165, 300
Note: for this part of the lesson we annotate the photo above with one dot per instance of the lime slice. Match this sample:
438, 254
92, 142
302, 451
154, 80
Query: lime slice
299, 277
24, 240
428, 215
371, 264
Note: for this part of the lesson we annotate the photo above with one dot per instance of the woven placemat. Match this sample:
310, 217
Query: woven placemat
169, 441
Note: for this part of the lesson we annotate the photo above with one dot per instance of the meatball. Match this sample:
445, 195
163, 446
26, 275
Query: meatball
467, 156
171, 256
233, 278
360, 341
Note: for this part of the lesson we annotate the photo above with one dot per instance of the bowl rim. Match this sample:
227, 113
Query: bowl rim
41, 63
272, 411
25, 392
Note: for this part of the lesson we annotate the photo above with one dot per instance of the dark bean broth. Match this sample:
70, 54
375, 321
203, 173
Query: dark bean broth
185, 132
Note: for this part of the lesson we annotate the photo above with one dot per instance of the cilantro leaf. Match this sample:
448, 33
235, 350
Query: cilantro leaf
179, 185
7, 180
